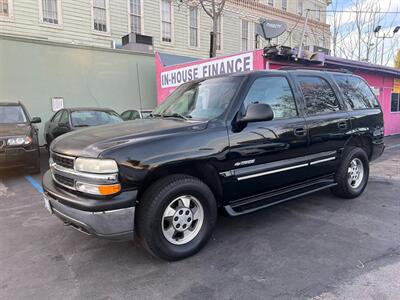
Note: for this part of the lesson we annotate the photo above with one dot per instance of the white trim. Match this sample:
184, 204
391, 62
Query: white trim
272, 172
322, 160
172, 25
141, 16
248, 34
198, 27
10, 17
108, 20
59, 15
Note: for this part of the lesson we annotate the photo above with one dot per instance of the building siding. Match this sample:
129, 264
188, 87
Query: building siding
76, 27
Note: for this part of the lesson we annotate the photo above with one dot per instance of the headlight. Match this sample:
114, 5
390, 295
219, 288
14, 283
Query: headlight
19, 141
98, 166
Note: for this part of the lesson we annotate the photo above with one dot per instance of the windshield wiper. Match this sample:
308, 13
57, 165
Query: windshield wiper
176, 115
155, 115
82, 125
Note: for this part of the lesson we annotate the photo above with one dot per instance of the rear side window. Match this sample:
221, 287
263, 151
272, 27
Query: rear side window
318, 95
276, 92
357, 93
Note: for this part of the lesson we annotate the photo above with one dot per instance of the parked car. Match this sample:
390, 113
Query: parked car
70, 119
240, 142
19, 145
134, 114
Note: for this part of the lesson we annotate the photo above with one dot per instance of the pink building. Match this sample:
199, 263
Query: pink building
171, 71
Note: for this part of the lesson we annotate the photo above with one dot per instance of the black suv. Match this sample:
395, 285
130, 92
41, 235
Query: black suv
19, 145
240, 143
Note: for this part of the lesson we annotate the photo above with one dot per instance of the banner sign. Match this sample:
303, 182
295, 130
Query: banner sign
228, 65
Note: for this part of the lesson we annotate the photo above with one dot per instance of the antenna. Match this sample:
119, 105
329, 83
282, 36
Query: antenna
302, 35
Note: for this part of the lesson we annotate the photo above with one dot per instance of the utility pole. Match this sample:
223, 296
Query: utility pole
383, 37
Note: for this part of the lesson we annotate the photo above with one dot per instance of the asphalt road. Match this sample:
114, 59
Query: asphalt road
317, 246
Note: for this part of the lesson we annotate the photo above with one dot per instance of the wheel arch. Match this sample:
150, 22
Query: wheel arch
361, 141
204, 171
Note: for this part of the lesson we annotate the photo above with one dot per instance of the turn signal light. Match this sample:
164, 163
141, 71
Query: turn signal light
109, 189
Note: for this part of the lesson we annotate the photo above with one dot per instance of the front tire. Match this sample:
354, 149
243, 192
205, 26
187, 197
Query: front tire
352, 175
176, 216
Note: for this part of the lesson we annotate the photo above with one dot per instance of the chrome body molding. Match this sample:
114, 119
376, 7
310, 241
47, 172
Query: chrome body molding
322, 160
272, 171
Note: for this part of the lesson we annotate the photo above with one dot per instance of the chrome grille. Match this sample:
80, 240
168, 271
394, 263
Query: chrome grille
62, 160
64, 180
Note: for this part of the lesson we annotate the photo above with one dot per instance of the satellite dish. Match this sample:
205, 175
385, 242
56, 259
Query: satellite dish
269, 29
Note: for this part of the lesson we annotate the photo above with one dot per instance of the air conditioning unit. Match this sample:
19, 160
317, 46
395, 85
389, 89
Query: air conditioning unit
314, 49
137, 42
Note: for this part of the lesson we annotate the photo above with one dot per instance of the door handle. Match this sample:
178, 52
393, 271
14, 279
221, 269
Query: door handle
300, 131
342, 125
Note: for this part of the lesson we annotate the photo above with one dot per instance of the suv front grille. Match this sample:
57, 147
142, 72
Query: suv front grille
64, 161
64, 180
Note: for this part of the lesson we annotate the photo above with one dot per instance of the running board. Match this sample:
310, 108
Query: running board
265, 200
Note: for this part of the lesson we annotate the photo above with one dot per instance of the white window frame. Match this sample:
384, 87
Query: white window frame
300, 8
198, 27
141, 17
270, 3
172, 25
59, 15
317, 13
284, 8
242, 37
108, 22
10, 16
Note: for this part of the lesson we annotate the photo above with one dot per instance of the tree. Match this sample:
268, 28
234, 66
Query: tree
397, 60
213, 9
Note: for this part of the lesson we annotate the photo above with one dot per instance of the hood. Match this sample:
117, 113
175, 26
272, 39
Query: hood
9, 130
92, 141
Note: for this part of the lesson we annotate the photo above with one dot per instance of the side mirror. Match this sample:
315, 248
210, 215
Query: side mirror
257, 112
36, 120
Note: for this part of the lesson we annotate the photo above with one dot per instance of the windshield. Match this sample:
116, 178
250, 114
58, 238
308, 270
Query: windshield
94, 118
202, 100
12, 114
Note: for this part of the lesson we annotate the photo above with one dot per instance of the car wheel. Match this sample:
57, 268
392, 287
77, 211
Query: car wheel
352, 175
176, 216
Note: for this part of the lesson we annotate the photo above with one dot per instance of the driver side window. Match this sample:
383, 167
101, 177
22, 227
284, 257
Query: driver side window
276, 92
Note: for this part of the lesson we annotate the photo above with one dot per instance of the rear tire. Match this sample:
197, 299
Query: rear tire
352, 174
176, 216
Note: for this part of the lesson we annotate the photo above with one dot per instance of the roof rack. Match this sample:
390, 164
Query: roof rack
341, 70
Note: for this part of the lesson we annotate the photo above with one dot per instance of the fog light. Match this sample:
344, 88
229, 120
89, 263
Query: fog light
95, 189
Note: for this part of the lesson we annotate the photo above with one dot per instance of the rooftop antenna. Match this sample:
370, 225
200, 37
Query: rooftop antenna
302, 36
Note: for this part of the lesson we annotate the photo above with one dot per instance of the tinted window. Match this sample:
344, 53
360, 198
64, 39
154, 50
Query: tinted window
93, 118
57, 116
125, 115
357, 93
276, 92
395, 103
64, 117
135, 115
318, 95
12, 114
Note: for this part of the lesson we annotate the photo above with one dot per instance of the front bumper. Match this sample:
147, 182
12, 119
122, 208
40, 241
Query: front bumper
18, 157
104, 218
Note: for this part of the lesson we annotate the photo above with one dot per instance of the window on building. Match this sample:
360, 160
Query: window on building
300, 7
193, 26
50, 11
284, 4
136, 15
395, 103
4, 8
100, 11
318, 13
245, 35
276, 92
256, 37
219, 33
271, 2
166, 21
318, 95
357, 93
